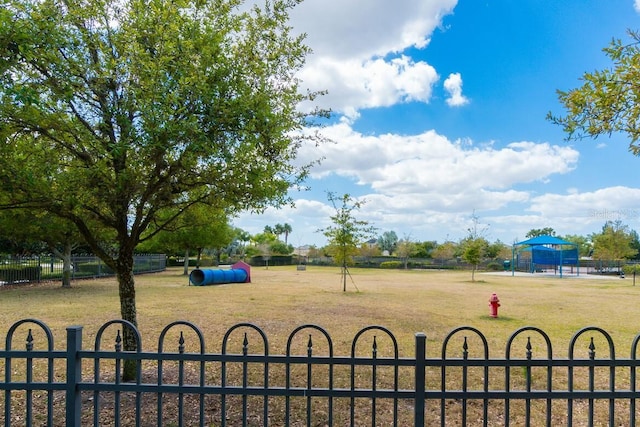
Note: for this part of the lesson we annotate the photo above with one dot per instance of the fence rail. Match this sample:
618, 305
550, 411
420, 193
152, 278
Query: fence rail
17, 270
244, 384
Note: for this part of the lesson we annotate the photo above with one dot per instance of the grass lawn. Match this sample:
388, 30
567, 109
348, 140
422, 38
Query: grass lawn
281, 298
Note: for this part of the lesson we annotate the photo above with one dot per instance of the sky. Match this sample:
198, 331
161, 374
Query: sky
439, 116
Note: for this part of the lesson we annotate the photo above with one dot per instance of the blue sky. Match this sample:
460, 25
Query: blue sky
439, 112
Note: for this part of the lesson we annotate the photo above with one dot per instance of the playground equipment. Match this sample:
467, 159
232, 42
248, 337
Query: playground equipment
240, 272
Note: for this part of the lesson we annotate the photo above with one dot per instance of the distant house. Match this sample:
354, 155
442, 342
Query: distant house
372, 243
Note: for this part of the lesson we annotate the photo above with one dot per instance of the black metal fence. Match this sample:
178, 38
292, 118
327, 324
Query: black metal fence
16, 270
244, 384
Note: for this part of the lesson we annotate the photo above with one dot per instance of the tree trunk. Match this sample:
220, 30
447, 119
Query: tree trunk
186, 263
66, 265
126, 287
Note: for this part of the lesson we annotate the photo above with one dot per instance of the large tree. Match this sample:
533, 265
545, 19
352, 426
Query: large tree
609, 100
113, 111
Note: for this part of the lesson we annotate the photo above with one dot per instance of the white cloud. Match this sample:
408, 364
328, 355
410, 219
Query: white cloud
636, 5
431, 165
453, 86
416, 183
353, 85
607, 204
357, 51
365, 29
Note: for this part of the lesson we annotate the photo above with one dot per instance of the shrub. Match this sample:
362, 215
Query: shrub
494, 266
392, 264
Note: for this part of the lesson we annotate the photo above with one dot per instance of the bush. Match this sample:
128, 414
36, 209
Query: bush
628, 269
494, 266
392, 264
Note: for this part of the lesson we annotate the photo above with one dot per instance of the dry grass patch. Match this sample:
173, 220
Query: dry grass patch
282, 298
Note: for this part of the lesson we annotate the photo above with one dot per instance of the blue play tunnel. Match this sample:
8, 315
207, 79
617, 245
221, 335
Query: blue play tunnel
239, 273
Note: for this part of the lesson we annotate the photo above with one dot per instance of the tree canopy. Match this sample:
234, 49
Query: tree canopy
608, 100
388, 241
536, 232
614, 242
114, 111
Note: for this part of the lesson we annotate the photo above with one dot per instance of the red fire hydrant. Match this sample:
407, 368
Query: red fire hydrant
494, 303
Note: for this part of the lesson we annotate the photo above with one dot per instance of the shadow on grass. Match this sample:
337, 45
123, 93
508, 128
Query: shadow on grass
498, 319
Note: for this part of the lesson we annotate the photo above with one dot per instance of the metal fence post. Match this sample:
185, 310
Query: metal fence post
418, 404
74, 375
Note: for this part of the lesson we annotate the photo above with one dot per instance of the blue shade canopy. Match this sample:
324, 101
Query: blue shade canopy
543, 254
545, 240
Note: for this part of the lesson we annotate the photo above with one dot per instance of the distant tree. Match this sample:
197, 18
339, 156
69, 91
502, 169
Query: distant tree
584, 244
474, 246
425, 249
404, 248
265, 252
473, 252
607, 101
388, 241
281, 248
239, 243
266, 237
614, 242
368, 251
268, 244
536, 232
635, 243
498, 250
201, 227
38, 233
280, 229
220, 242
346, 232
444, 251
